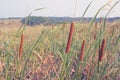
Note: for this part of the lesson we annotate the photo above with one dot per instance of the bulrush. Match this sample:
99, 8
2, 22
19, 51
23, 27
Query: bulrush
82, 50
21, 46
101, 51
95, 32
72, 28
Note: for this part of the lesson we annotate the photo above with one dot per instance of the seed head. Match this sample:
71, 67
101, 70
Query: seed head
21, 46
82, 50
72, 28
101, 50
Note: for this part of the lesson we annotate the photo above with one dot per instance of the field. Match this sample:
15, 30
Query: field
46, 52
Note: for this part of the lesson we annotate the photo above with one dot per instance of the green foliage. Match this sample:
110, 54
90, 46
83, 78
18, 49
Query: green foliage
56, 64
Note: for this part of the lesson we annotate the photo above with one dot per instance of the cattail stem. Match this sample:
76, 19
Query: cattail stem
21, 46
72, 28
101, 51
82, 50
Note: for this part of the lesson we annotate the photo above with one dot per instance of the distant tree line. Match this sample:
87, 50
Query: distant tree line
33, 20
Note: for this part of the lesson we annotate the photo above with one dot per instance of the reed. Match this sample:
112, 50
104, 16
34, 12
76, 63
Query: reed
101, 51
72, 28
82, 50
21, 46
66, 66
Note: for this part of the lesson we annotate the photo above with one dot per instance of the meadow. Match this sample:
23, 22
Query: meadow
68, 51
43, 53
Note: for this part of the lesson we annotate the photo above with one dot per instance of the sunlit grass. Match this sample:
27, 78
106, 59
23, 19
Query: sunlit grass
52, 46
44, 57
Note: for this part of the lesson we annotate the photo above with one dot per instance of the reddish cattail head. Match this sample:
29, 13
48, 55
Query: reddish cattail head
82, 50
101, 50
21, 46
72, 28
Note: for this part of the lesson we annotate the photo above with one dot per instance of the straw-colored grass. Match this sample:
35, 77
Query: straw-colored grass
50, 60
43, 56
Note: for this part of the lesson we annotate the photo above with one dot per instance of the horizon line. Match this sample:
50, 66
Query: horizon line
55, 16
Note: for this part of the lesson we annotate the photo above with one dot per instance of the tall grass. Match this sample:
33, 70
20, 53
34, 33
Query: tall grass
45, 58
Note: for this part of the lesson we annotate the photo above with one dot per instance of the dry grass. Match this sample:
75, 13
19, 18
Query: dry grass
48, 60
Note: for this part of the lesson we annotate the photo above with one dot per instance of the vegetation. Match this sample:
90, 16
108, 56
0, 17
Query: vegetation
34, 20
76, 51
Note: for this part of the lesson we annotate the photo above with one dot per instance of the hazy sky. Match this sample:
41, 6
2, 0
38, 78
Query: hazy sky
21, 8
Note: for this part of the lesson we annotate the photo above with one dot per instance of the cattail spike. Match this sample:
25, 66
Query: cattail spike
101, 51
82, 50
21, 46
72, 28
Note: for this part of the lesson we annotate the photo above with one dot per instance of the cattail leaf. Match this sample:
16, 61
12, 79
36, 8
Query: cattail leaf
38, 9
22, 27
85, 11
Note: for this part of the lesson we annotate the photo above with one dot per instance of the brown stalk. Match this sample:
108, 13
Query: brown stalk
21, 46
82, 50
95, 30
72, 28
101, 51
